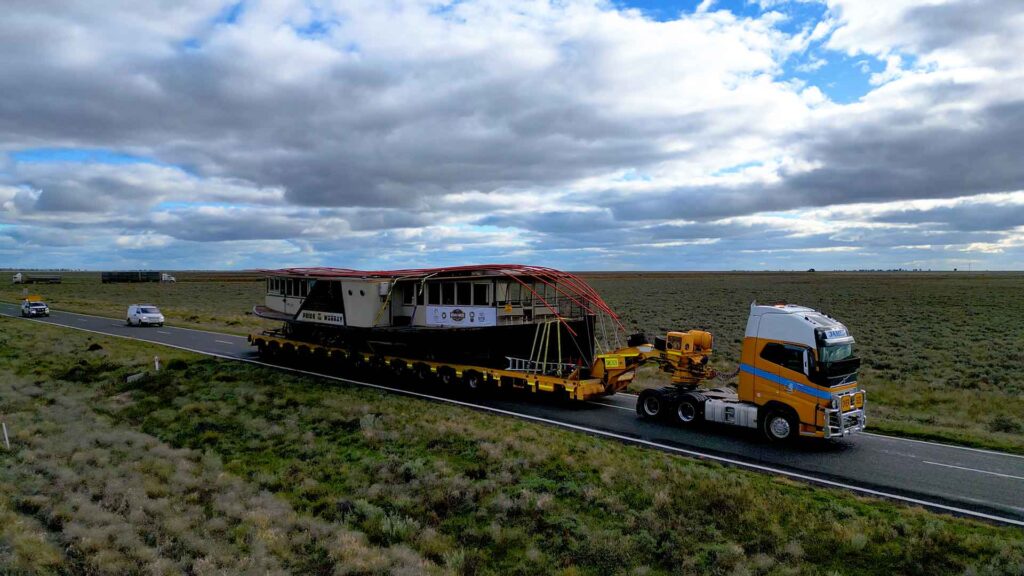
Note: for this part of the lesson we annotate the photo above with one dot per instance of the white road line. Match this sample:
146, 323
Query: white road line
611, 406
974, 470
81, 319
592, 431
223, 341
163, 332
944, 445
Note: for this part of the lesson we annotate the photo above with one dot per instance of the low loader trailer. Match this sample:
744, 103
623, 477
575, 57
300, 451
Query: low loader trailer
797, 375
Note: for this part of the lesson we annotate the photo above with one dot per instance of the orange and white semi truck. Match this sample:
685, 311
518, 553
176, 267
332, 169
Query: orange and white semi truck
797, 377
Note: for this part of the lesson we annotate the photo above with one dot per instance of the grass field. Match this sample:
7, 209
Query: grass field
943, 352
214, 467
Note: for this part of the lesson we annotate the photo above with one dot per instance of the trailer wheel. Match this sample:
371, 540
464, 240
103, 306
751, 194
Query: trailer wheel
651, 404
474, 382
779, 426
446, 375
690, 410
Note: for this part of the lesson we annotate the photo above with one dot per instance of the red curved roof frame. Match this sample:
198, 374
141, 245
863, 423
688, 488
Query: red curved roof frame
566, 284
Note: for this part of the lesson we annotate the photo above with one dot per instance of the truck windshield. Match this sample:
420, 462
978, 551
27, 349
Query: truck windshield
838, 365
149, 311
831, 354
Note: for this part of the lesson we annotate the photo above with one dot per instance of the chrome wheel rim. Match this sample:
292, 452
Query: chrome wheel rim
779, 427
652, 406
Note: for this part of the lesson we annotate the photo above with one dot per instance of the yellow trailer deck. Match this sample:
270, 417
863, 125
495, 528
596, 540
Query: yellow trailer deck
612, 372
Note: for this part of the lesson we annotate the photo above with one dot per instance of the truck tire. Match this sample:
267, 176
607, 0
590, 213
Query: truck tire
779, 426
651, 404
690, 410
473, 382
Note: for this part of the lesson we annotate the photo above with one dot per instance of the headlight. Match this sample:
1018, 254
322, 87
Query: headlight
834, 403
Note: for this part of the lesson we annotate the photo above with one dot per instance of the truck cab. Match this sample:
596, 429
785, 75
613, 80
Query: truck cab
798, 364
797, 377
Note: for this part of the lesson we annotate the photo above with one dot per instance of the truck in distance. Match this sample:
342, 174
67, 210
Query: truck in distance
25, 278
132, 276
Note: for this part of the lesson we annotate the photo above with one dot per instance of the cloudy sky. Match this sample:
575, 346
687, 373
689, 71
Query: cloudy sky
580, 134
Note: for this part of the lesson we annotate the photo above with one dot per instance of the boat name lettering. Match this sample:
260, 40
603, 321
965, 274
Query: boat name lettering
323, 317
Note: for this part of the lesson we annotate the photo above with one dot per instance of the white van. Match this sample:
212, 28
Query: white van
144, 314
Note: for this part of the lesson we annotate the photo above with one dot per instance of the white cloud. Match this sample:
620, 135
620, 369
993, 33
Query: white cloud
491, 128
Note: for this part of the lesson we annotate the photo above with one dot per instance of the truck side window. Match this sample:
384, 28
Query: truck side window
772, 352
791, 357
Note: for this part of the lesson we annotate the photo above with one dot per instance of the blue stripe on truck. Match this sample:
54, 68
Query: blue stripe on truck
786, 382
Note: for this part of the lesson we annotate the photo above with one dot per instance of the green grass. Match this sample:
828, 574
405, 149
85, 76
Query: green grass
943, 352
217, 466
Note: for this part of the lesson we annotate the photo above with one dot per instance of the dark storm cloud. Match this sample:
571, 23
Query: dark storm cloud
895, 156
979, 21
964, 217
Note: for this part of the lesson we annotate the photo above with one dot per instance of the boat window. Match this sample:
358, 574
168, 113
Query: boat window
419, 294
502, 292
480, 295
407, 291
303, 288
290, 284
513, 293
434, 294
528, 294
463, 293
448, 294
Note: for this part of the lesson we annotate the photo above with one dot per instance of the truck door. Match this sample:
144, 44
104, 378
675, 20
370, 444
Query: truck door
795, 383
768, 364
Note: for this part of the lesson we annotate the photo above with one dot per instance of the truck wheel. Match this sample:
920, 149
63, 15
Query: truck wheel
446, 375
473, 382
690, 411
779, 426
651, 404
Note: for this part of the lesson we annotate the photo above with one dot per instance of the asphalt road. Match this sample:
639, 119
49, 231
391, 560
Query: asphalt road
964, 481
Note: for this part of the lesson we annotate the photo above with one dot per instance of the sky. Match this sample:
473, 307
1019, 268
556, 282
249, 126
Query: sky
577, 134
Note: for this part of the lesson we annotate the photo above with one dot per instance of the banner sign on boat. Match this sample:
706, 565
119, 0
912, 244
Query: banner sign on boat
335, 318
463, 316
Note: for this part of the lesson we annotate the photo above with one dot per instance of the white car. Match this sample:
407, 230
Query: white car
34, 308
144, 314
